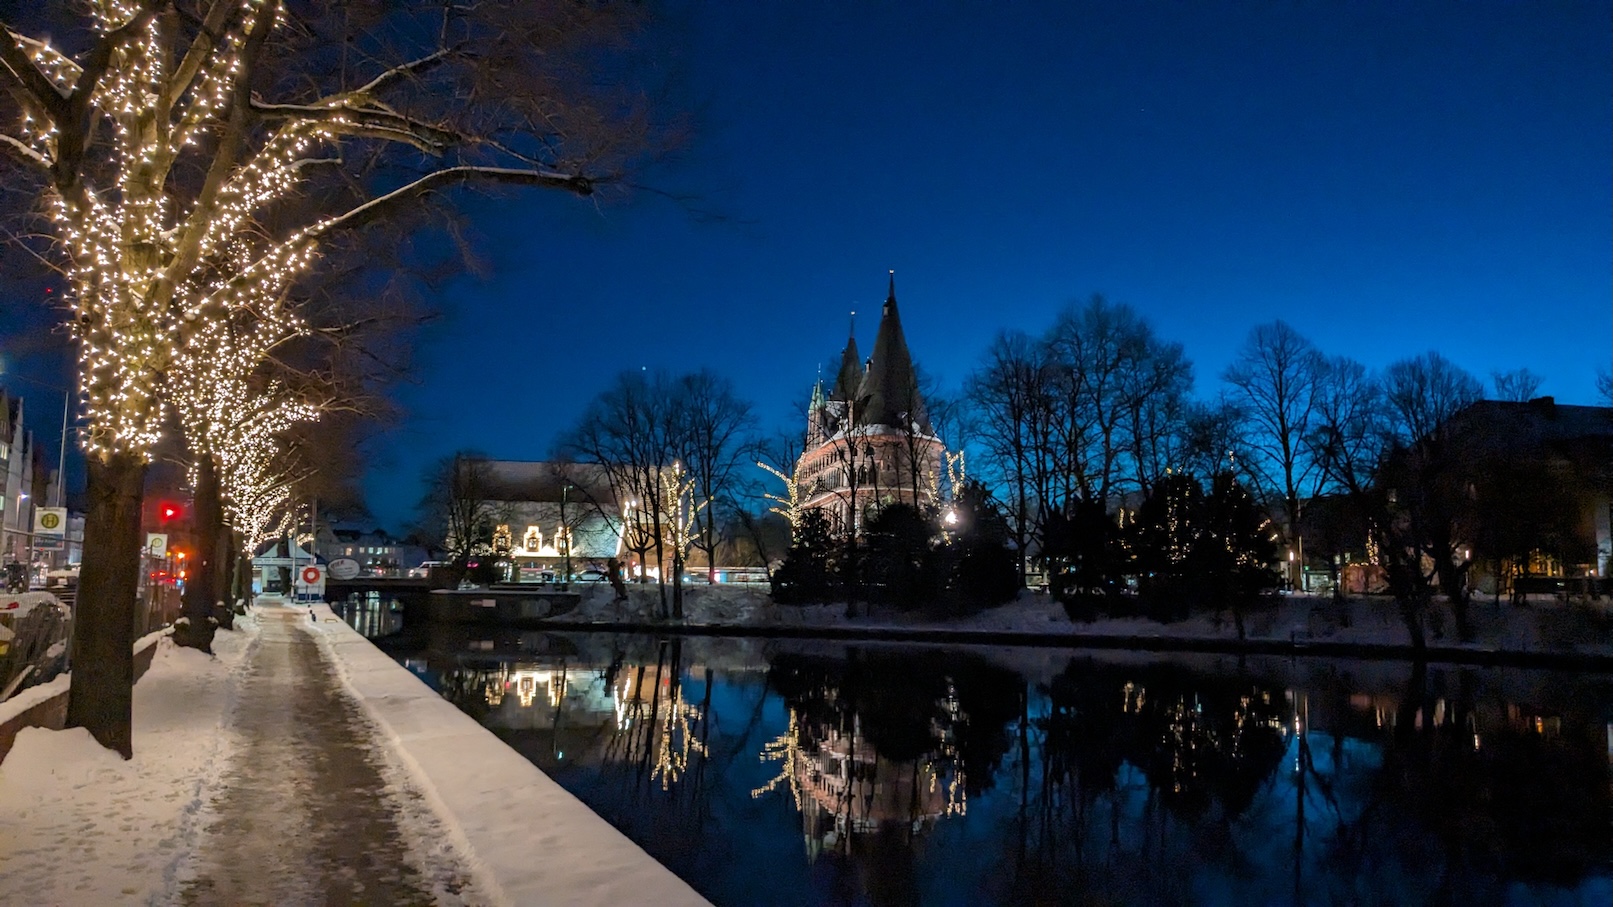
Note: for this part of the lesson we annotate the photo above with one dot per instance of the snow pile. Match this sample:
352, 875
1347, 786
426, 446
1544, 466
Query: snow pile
81, 825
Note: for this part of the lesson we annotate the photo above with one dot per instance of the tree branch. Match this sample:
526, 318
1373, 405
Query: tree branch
448, 176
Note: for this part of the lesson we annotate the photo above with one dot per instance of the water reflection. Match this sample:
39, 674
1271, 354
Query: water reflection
801, 773
370, 613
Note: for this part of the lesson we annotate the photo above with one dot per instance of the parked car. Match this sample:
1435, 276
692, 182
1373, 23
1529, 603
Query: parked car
592, 576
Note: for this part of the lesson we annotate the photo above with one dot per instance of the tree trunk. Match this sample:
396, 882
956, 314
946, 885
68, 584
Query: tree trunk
101, 698
196, 628
677, 585
241, 576
224, 577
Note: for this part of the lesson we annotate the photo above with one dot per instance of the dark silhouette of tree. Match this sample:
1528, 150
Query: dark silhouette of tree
898, 565
713, 427
808, 571
457, 512
983, 569
1274, 381
1162, 539
1086, 559
1517, 386
1232, 555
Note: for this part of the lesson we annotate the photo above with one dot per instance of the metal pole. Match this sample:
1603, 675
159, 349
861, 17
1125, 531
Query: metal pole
61, 459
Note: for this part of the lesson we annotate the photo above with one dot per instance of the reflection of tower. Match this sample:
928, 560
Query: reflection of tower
844, 788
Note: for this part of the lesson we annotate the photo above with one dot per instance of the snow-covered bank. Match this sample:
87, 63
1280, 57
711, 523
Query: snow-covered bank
528, 840
45, 705
1541, 628
81, 825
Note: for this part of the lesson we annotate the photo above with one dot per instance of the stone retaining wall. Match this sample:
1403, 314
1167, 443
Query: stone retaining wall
46, 705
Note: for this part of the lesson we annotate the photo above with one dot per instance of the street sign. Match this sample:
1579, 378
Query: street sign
50, 521
310, 582
49, 543
157, 544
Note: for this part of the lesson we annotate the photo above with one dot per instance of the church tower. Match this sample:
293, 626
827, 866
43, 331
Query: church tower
869, 441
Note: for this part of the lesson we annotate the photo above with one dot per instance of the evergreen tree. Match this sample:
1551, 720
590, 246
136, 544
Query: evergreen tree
984, 570
1086, 558
1161, 539
1230, 562
807, 574
899, 564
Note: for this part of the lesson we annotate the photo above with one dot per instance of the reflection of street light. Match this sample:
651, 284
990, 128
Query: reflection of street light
565, 532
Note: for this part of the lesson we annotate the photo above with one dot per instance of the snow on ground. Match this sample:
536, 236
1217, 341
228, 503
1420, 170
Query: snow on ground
528, 839
1543, 624
82, 826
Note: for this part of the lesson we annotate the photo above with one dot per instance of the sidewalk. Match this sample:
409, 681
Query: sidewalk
256, 779
308, 811
301, 765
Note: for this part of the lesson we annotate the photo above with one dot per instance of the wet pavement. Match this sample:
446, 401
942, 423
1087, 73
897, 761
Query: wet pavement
309, 812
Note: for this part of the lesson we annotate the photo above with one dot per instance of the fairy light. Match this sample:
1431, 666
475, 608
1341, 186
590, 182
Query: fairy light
785, 749
788, 505
158, 266
677, 490
676, 741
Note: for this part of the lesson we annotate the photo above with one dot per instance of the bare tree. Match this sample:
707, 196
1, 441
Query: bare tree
1274, 381
1426, 470
1011, 412
714, 432
629, 431
1106, 362
458, 510
1518, 385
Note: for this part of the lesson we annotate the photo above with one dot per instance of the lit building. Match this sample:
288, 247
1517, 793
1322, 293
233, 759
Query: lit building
869, 440
545, 513
23, 473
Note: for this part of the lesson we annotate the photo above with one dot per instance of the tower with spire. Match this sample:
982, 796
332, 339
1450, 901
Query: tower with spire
869, 441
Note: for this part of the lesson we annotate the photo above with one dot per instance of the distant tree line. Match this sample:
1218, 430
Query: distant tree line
1093, 423
1097, 471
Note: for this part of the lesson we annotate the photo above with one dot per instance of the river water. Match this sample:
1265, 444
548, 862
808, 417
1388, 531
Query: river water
803, 772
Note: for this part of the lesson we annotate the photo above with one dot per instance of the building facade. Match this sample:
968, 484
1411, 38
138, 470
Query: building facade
24, 477
869, 441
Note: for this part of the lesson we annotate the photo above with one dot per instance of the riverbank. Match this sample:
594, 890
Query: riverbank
1543, 632
299, 765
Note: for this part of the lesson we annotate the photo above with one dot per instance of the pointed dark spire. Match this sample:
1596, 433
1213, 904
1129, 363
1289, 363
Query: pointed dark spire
850, 376
889, 394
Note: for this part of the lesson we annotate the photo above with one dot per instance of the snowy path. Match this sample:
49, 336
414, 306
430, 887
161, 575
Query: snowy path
308, 811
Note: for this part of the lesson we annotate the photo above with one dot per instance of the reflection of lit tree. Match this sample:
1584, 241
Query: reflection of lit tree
785, 749
677, 739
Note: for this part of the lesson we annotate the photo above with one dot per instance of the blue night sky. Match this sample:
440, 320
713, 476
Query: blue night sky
1388, 177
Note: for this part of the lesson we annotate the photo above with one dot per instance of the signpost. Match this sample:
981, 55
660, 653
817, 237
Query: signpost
50, 528
157, 544
309, 583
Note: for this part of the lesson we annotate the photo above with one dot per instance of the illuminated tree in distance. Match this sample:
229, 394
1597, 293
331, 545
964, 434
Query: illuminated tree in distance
191, 158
